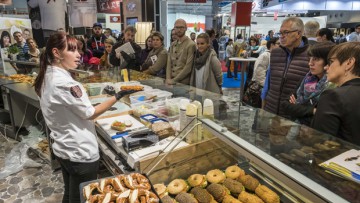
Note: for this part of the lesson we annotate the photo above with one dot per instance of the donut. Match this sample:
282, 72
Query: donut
249, 182
215, 176
246, 197
176, 186
267, 195
167, 199
234, 172
217, 191
201, 195
160, 190
197, 180
235, 187
184, 197
230, 199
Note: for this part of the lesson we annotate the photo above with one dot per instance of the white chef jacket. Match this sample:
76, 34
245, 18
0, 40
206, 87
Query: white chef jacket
66, 109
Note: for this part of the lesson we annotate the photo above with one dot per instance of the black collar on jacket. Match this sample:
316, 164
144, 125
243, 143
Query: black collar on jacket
354, 82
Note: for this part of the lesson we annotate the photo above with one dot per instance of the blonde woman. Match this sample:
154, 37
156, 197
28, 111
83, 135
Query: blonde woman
104, 60
262, 48
206, 72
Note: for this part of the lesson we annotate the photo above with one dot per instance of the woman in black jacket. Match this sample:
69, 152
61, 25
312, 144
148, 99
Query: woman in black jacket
338, 110
301, 106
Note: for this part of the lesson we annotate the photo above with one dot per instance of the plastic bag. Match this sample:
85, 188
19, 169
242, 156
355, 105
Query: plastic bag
18, 159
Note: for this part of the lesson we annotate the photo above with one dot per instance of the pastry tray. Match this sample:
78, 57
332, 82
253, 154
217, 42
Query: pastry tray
82, 185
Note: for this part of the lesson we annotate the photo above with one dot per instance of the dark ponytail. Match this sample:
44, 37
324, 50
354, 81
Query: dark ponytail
57, 40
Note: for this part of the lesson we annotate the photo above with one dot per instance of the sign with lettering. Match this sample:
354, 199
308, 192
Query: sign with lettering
108, 6
195, 1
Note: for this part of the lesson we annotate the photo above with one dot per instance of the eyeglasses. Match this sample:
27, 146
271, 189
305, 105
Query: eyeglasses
286, 33
179, 27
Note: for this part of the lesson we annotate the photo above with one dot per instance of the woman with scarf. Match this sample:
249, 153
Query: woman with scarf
155, 63
303, 106
206, 73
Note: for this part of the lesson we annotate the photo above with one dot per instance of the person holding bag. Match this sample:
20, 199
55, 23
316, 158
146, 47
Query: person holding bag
69, 114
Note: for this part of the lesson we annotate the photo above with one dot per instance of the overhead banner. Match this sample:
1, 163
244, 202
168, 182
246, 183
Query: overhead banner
195, 1
82, 13
108, 6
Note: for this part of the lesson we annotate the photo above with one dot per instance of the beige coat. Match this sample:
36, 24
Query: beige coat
180, 61
160, 62
213, 77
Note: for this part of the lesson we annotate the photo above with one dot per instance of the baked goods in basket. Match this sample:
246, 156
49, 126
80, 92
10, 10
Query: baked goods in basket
132, 87
117, 125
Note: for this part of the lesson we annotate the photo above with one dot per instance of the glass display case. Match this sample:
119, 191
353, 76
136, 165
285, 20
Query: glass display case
280, 153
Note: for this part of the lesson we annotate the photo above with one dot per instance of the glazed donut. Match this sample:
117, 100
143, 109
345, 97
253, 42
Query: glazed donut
215, 176
160, 190
197, 180
176, 186
234, 172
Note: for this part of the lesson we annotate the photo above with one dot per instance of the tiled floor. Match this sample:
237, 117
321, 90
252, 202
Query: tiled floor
42, 185
31, 184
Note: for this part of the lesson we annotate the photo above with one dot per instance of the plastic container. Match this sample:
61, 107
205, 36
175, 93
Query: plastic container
156, 120
95, 89
146, 119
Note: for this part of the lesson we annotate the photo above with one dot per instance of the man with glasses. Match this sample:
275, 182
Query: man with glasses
288, 66
355, 36
181, 56
96, 43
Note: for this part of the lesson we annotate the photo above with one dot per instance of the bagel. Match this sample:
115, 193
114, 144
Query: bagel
161, 190
176, 186
197, 180
215, 176
234, 172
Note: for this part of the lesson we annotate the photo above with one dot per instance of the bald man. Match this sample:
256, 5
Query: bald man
181, 56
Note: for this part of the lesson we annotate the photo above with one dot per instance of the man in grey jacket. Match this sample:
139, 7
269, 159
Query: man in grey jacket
180, 57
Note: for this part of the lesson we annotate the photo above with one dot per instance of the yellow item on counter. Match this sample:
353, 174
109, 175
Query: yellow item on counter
125, 75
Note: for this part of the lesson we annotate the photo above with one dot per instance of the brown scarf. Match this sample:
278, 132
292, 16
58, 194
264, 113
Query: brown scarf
200, 59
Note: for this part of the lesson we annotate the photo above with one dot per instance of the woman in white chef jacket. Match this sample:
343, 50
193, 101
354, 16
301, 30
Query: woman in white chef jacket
69, 114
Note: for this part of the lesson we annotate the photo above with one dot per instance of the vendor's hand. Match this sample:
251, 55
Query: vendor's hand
292, 99
123, 93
